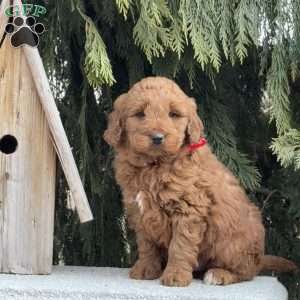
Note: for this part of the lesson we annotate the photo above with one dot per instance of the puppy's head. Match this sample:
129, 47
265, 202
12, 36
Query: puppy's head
154, 118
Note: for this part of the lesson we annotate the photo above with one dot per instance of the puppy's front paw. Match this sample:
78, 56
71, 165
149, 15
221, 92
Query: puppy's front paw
175, 277
146, 270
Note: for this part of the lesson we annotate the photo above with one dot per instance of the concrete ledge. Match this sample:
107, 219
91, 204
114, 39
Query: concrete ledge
68, 283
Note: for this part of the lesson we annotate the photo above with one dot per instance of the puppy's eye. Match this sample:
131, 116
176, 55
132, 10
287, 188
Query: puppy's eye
139, 114
174, 114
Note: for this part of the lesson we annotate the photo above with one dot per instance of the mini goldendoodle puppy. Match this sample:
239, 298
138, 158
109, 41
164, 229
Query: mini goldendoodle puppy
188, 211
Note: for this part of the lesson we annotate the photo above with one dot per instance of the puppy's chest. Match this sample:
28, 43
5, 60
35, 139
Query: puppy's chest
163, 193
158, 194
153, 220
159, 185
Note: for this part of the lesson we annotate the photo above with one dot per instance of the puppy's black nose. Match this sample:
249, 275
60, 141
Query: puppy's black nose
157, 138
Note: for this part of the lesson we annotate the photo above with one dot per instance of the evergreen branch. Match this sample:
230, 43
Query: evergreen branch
222, 139
226, 25
97, 64
200, 23
295, 41
242, 24
287, 148
177, 41
149, 33
123, 7
278, 89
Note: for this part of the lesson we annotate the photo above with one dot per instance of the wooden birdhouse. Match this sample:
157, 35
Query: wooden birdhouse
31, 134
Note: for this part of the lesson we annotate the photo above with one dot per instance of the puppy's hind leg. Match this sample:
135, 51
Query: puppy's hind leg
218, 276
239, 270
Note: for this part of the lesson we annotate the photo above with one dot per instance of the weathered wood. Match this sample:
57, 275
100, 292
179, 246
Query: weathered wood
27, 177
60, 139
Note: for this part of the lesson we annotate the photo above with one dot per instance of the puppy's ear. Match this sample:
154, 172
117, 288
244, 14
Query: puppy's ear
114, 131
195, 126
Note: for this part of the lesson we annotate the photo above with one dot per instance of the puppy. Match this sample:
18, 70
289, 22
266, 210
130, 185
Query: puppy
188, 211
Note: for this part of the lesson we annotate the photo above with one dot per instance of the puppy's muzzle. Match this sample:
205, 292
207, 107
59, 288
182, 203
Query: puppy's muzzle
158, 138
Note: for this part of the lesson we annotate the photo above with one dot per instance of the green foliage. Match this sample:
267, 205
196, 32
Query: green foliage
222, 139
278, 89
123, 7
287, 148
207, 25
227, 26
284, 38
199, 20
149, 33
97, 65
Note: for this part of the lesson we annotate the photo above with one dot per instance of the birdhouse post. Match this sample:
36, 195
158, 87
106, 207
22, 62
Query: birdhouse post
31, 134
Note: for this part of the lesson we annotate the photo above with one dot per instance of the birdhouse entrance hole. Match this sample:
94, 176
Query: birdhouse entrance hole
8, 144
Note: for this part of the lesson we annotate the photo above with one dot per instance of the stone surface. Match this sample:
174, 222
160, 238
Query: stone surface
68, 283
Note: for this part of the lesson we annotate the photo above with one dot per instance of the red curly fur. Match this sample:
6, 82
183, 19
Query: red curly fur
188, 211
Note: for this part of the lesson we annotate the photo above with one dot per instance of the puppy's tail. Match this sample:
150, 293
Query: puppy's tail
277, 264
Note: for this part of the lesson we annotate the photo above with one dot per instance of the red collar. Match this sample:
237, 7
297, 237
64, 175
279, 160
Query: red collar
193, 147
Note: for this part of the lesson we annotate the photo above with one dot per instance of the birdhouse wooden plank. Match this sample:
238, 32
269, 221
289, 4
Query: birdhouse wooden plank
31, 132
27, 176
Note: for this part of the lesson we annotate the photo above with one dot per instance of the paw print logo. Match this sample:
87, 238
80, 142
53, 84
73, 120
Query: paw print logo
24, 31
